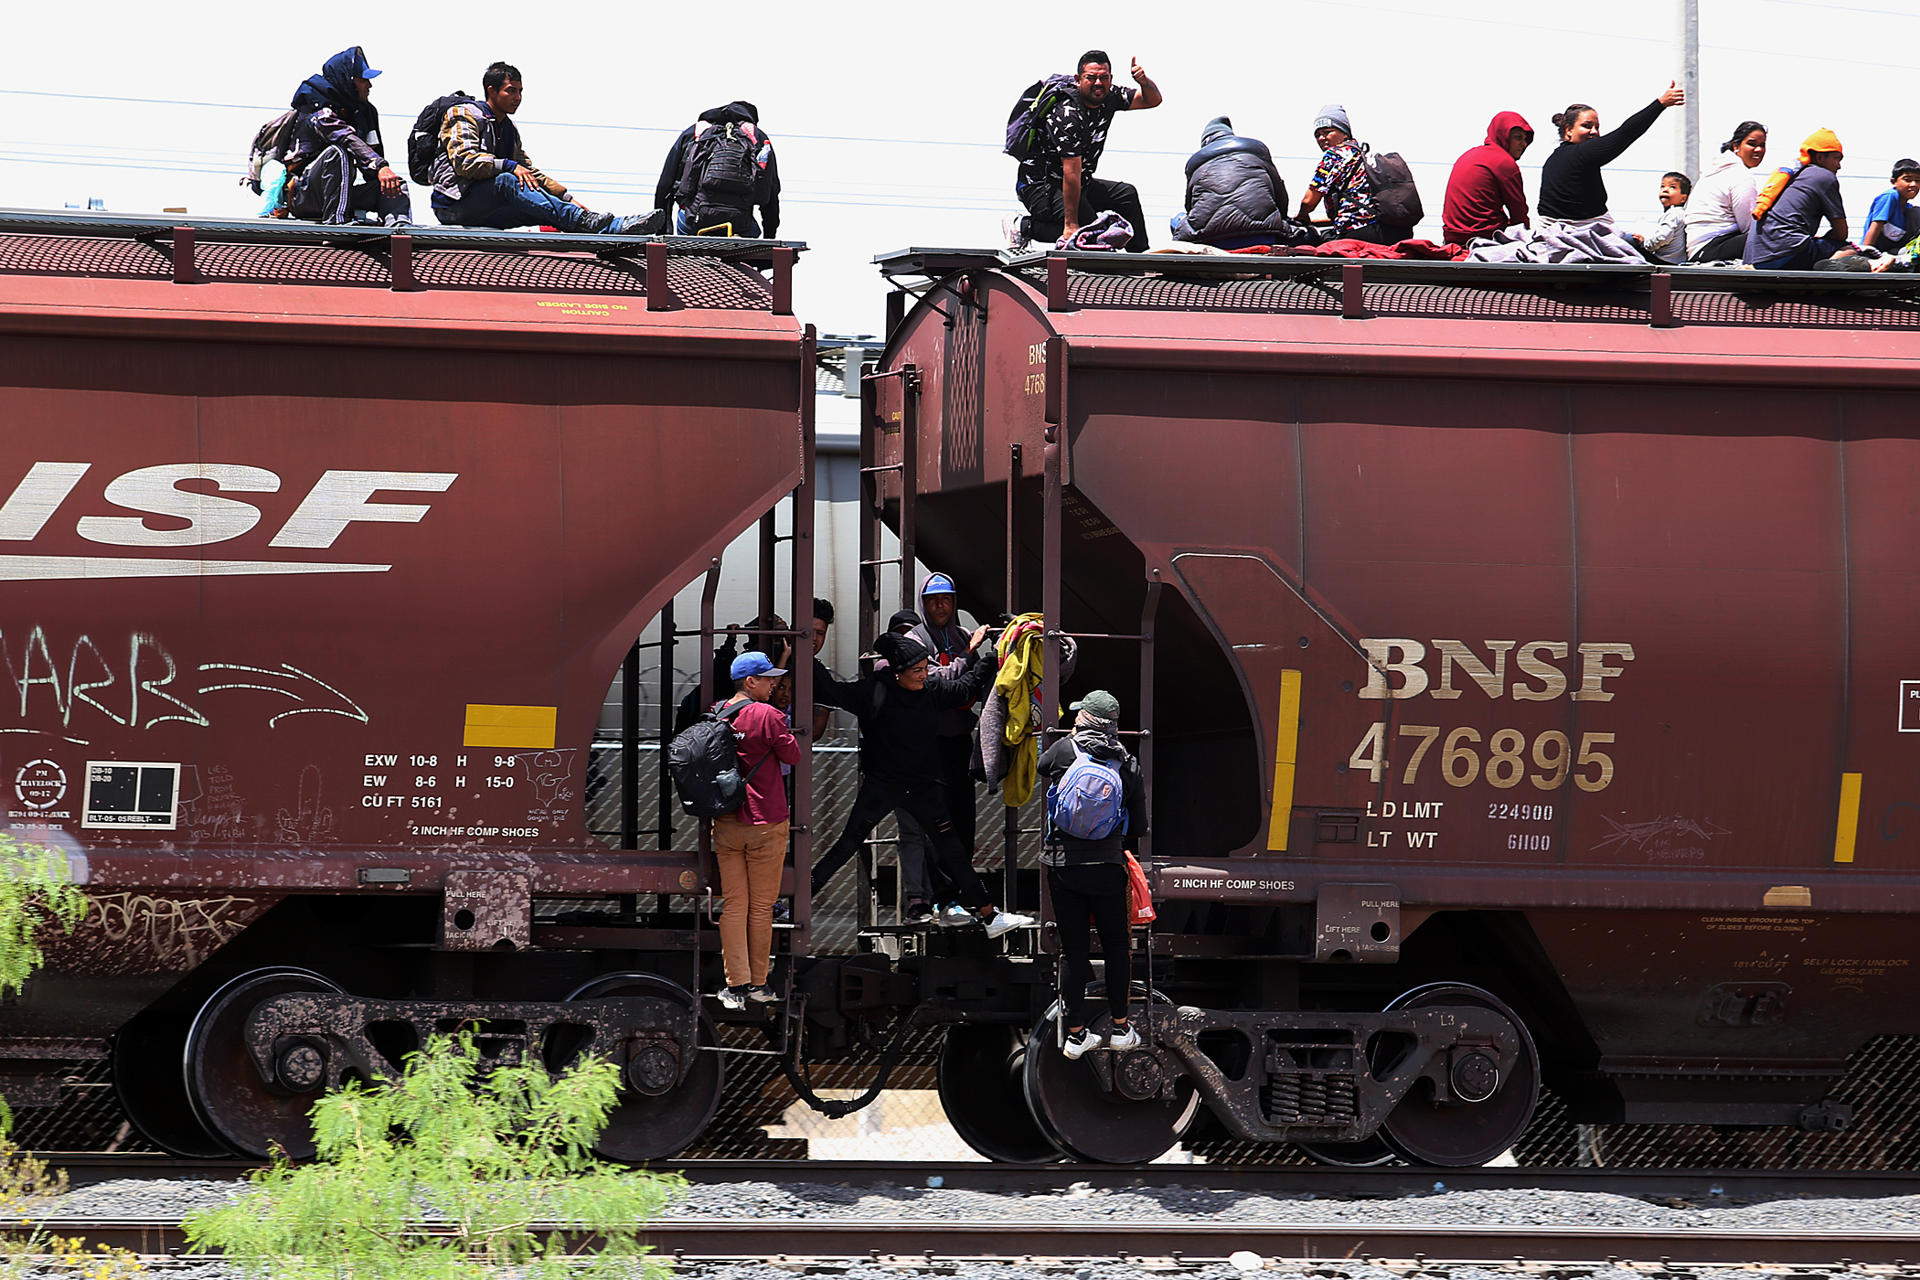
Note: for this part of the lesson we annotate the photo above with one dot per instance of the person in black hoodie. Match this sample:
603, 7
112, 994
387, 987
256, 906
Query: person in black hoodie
336, 136
713, 195
899, 711
1088, 877
1571, 188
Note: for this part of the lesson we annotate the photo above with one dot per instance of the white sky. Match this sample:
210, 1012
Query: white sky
888, 120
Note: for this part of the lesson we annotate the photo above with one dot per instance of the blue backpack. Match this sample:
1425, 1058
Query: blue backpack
1089, 801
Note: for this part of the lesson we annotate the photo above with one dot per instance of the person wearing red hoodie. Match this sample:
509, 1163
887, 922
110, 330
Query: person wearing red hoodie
1485, 195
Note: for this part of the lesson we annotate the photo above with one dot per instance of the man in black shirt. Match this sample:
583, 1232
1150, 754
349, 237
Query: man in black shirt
1057, 184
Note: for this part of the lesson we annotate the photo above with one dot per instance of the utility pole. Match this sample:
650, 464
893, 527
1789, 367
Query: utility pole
1690, 81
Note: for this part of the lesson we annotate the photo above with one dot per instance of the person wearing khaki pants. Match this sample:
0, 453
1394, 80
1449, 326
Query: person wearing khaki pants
750, 844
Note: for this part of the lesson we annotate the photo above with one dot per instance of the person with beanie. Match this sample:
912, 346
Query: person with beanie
1572, 191
1087, 874
1485, 194
1341, 180
1235, 197
1793, 202
898, 709
1721, 207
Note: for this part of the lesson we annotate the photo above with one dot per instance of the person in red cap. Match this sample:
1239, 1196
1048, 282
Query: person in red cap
1485, 194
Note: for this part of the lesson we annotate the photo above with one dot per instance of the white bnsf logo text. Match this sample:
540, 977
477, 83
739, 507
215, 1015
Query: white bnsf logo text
198, 517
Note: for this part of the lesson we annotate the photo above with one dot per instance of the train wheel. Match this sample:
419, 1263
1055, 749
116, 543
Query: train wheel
655, 1116
983, 1092
255, 1117
1129, 1124
153, 1094
1491, 1110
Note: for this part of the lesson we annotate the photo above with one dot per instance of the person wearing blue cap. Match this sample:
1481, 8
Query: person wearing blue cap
335, 165
947, 641
750, 844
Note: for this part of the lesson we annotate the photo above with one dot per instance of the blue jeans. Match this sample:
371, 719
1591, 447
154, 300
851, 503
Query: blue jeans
507, 202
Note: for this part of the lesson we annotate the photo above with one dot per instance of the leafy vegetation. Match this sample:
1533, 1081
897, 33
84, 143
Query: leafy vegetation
443, 1175
35, 890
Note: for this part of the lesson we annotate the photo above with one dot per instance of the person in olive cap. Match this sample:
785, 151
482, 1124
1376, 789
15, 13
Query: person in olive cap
1095, 784
898, 709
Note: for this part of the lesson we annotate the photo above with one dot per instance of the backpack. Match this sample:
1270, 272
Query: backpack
705, 764
423, 143
1140, 910
1770, 191
1089, 801
1026, 123
1395, 197
270, 142
721, 167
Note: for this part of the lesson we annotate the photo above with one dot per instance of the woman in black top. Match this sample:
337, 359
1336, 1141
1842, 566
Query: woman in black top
1088, 877
1571, 189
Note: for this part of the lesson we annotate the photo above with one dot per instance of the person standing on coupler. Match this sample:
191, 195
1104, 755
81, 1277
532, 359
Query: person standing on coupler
1056, 183
898, 709
1572, 192
1096, 809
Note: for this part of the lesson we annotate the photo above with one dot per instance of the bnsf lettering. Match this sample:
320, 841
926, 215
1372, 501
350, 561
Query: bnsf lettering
337, 499
1403, 669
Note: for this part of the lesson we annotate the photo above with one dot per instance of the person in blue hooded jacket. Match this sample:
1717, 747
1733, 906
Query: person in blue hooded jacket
335, 165
1235, 197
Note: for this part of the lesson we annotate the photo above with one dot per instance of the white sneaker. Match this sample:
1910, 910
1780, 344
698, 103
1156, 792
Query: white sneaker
1007, 922
1013, 228
732, 997
1078, 1042
1124, 1040
953, 915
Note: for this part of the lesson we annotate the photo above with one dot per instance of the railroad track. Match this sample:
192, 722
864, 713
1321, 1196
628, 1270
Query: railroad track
1706, 1186
998, 1239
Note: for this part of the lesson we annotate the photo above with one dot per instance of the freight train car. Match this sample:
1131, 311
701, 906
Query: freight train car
1527, 663
320, 549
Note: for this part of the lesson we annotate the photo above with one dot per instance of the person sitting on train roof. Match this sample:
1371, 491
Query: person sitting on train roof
718, 169
482, 177
1793, 201
336, 136
1485, 193
1235, 197
1056, 182
1721, 207
1571, 188
1087, 877
1892, 220
750, 845
898, 710
1667, 241
1340, 178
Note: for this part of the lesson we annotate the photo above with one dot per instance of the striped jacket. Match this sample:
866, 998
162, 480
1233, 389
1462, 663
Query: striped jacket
470, 152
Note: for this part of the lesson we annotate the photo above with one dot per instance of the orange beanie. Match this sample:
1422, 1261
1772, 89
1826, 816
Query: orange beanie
1819, 140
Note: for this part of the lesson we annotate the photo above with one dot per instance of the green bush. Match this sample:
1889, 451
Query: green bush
35, 889
442, 1175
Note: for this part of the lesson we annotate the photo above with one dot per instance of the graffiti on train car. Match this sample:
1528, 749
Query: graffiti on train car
179, 933
135, 682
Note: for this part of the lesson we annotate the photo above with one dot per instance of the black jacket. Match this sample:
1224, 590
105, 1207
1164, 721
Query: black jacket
1234, 190
899, 727
1571, 187
1062, 849
766, 188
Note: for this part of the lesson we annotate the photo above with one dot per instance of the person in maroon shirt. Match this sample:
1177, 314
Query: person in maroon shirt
1485, 195
750, 844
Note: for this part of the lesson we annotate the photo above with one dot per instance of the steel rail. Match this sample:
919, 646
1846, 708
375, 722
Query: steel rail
1706, 1186
712, 1237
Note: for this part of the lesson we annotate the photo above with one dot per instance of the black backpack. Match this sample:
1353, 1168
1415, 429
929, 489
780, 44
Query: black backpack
720, 169
1026, 122
705, 764
1395, 198
271, 141
423, 143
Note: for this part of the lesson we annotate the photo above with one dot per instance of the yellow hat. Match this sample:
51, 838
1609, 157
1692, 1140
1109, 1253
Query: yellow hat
1819, 140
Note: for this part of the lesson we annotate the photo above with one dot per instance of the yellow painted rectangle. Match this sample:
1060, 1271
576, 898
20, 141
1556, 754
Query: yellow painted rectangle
1848, 825
489, 725
1286, 747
